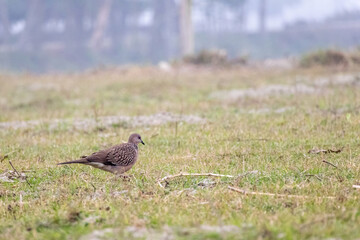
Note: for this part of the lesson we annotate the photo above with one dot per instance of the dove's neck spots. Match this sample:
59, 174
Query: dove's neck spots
135, 146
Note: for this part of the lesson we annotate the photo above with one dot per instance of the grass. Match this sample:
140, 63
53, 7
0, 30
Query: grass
68, 202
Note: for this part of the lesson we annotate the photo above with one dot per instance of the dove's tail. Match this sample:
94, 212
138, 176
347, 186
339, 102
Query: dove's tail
82, 161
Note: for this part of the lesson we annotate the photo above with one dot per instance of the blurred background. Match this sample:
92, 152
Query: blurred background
68, 35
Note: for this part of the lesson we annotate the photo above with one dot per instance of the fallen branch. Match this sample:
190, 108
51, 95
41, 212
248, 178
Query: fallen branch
317, 151
273, 194
19, 174
313, 175
191, 174
252, 139
324, 161
14, 169
244, 139
203, 174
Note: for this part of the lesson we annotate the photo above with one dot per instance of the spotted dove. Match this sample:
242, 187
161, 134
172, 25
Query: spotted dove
117, 159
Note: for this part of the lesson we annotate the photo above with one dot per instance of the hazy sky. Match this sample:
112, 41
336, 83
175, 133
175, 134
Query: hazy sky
309, 10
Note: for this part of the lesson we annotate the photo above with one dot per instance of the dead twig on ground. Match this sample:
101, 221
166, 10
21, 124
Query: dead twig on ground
317, 151
93, 186
313, 175
324, 161
244, 139
19, 174
164, 179
14, 169
252, 139
191, 174
273, 194
356, 186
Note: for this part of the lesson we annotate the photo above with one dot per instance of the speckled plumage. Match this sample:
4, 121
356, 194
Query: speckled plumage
117, 159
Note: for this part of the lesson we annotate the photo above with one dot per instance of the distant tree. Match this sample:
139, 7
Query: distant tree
118, 21
5, 21
100, 25
237, 7
215, 12
31, 36
74, 22
164, 34
262, 16
186, 28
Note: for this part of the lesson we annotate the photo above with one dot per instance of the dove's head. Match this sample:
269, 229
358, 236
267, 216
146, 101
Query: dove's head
135, 138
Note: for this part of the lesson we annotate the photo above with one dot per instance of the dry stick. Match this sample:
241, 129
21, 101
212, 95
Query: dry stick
93, 186
252, 139
324, 161
356, 186
191, 174
244, 140
313, 175
273, 194
14, 169
203, 174
317, 151
19, 174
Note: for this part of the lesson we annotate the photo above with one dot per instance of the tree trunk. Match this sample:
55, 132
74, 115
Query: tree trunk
164, 33
4, 18
74, 25
31, 37
262, 16
117, 24
101, 24
186, 29
241, 18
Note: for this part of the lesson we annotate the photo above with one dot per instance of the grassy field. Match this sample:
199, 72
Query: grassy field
252, 120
